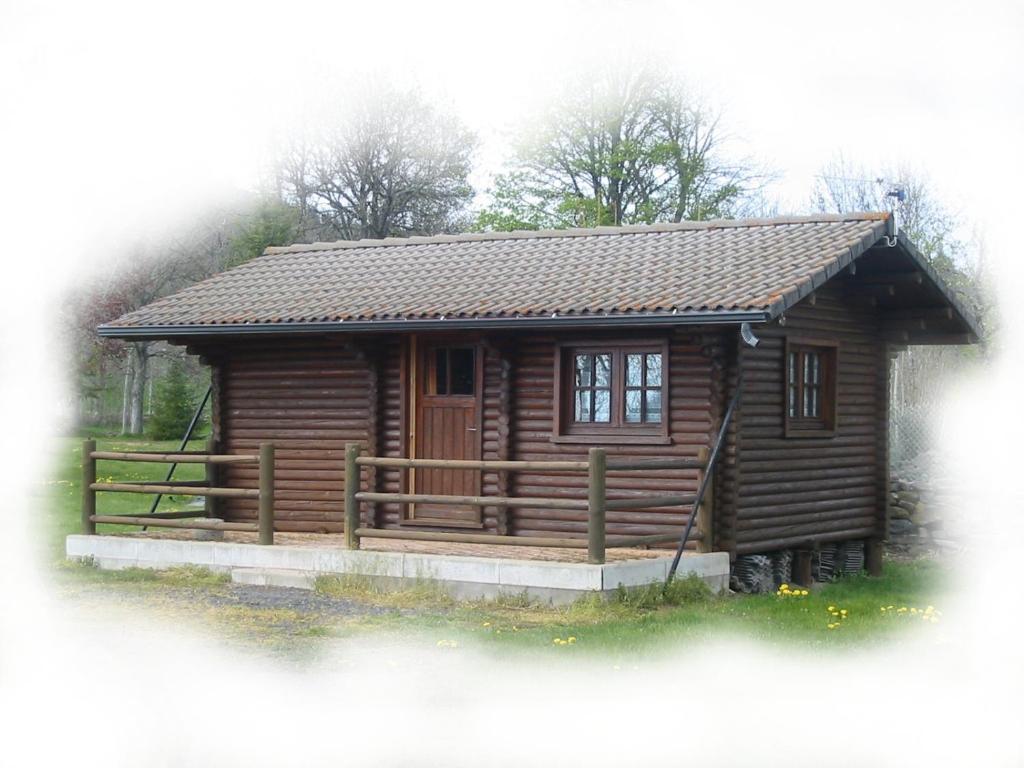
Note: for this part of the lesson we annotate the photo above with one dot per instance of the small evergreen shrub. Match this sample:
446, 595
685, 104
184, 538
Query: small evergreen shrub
173, 406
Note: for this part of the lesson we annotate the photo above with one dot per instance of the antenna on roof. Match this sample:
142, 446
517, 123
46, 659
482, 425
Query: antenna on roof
897, 194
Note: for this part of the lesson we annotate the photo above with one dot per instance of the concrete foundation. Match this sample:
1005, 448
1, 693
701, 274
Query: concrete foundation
462, 576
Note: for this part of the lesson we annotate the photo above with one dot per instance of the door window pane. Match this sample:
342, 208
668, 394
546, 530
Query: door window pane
462, 370
441, 371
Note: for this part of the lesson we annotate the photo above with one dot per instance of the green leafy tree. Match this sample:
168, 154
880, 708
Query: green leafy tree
630, 146
174, 404
272, 222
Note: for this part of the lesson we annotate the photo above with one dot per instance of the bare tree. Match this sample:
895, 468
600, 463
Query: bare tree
629, 145
147, 271
391, 164
843, 187
920, 373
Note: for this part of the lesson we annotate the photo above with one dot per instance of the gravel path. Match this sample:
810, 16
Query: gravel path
299, 600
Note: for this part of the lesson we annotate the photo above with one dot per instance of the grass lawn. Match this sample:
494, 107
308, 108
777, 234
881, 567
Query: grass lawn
635, 625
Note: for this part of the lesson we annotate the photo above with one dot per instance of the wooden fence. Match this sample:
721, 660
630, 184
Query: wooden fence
596, 505
264, 525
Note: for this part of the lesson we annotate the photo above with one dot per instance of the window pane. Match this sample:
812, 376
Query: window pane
462, 371
816, 368
634, 370
582, 406
633, 414
653, 405
603, 370
441, 371
583, 365
654, 370
814, 402
807, 402
807, 367
792, 402
792, 368
602, 406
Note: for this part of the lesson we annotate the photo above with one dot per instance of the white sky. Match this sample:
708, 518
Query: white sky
117, 117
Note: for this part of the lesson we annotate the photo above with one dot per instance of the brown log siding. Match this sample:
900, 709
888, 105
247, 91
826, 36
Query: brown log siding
796, 491
694, 405
311, 397
307, 397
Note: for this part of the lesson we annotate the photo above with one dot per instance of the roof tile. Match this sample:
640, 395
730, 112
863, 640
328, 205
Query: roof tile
698, 266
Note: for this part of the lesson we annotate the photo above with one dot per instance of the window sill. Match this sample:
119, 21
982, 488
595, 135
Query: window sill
612, 439
805, 433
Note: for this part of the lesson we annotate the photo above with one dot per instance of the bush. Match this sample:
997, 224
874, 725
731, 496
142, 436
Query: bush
173, 405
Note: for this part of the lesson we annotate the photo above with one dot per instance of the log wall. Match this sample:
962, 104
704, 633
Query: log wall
310, 397
792, 492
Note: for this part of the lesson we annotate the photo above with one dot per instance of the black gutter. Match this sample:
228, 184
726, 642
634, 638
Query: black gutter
368, 326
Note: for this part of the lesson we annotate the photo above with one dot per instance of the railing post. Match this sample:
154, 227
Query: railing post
351, 489
266, 512
88, 494
596, 502
705, 515
211, 502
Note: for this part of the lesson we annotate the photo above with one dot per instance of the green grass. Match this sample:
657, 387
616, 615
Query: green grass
633, 625
646, 621
62, 492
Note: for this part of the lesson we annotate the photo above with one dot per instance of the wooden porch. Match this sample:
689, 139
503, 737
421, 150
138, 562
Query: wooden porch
595, 547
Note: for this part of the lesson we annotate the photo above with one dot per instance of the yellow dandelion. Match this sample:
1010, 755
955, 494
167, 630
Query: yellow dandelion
831, 608
487, 623
784, 586
804, 592
557, 640
842, 611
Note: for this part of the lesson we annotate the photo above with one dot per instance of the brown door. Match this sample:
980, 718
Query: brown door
448, 426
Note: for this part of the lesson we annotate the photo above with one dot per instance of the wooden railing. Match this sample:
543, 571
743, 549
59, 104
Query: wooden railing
264, 525
596, 504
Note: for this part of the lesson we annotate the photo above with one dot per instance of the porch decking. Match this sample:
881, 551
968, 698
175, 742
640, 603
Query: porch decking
442, 548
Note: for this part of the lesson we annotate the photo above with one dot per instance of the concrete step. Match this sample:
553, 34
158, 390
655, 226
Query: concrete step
273, 577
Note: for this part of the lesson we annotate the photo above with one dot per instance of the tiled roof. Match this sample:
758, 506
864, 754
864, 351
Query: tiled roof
705, 268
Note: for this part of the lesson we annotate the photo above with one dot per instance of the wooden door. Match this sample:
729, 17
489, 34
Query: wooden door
448, 426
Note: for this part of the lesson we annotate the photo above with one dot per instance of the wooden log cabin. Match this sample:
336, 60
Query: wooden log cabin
539, 345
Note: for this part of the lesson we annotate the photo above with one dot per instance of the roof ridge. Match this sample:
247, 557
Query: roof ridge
526, 234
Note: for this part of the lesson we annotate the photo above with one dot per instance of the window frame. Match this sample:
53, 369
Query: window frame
827, 350
617, 429
431, 371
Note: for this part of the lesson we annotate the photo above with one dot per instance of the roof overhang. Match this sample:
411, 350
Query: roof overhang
157, 332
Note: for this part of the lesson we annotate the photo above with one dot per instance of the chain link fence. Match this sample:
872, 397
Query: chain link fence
919, 380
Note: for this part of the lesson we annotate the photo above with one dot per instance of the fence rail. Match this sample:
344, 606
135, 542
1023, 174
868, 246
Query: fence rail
264, 524
596, 504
